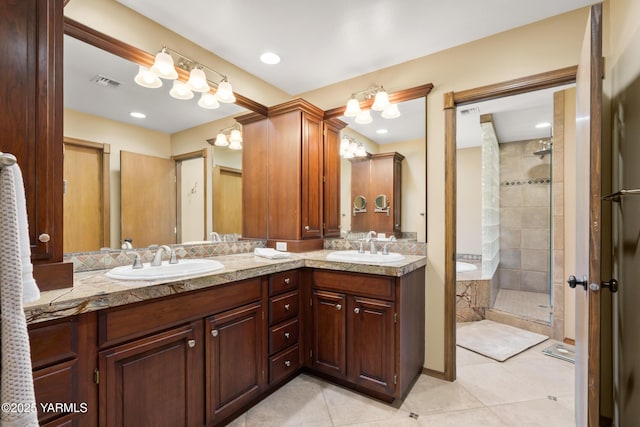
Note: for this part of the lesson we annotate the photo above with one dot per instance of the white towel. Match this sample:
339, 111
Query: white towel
270, 253
16, 384
30, 290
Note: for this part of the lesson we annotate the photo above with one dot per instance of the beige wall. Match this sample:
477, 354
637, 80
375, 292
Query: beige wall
546, 45
469, 200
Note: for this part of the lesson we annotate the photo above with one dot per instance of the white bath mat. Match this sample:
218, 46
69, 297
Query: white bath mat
496, 340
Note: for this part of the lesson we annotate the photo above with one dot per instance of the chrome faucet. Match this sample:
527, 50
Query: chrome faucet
372, 244
385, 250
215, 237
157, 258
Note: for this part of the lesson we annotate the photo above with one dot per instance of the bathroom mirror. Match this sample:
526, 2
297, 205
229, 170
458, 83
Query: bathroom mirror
382, 202
359, 204
405, 134
173, 129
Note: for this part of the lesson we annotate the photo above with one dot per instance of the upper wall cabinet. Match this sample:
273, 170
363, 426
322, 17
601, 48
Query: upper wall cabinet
31, 123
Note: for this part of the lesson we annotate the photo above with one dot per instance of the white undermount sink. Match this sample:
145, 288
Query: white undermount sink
367, 257
186, 267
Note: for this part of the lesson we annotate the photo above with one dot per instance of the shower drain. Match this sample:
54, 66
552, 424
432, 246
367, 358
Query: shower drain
413, 415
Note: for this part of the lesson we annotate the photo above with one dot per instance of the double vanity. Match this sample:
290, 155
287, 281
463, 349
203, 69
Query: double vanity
211, 337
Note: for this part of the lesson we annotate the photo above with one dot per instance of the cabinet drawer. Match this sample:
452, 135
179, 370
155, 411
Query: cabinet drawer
285, 281
354, 283
53, 342
284, 364
283, 307
282, 336
55, 384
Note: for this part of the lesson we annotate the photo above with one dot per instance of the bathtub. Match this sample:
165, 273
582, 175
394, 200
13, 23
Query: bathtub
464, 266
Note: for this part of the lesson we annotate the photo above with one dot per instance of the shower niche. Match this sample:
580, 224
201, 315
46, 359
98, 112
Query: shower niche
376, 183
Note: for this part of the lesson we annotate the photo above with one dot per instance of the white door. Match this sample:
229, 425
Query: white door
588, 222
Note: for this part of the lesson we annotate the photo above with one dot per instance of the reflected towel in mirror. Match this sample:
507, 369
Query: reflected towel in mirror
270, 253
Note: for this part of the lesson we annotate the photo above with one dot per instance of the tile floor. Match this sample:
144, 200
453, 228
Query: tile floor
530, 389
534, 305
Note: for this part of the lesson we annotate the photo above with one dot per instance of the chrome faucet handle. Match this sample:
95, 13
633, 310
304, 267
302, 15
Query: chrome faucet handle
215, 237
372, 247
173, 258
137, 261
361, 249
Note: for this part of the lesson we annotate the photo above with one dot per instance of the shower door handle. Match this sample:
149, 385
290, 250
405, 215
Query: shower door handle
573, 282
612, 285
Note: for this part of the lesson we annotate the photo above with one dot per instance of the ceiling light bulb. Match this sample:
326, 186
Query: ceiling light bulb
146, 78
381, 101
364, 118
163, 66
198, 81
225, 92
221, 140
236, 136
391, 112
180, 90
270, 58
353, 108
235, 145
208, 101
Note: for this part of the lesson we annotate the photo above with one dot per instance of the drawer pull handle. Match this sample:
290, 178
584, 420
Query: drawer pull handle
338, 307
44, 237
287, 335
287, 306
356, 310
306, 227
191, 343
286, 280
287, 363
214, 333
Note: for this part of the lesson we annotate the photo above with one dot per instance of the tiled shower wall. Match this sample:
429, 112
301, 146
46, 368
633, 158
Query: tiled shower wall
524, 217
490, 201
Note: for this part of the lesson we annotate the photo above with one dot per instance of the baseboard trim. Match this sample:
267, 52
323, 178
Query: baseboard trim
433, 373
569, 341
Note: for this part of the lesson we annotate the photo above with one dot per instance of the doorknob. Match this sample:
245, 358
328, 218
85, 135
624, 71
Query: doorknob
612, 285
573, 282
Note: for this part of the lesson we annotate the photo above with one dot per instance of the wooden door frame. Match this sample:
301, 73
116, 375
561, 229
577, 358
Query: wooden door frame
105, 149
452, 100
180, 158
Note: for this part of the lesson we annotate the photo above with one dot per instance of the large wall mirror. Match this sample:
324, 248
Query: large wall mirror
405, 135
135, 155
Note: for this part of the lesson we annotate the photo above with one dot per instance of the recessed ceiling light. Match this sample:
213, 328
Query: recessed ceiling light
382, 131
270, 58
543, 125
137, 115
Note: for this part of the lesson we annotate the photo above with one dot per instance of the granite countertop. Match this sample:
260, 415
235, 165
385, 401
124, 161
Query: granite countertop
93, 291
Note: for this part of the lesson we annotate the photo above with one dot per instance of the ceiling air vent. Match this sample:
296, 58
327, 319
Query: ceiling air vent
473, 110
103, 81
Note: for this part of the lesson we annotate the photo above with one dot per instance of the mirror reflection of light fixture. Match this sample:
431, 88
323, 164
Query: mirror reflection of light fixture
233, 141
209, 101
350, 148
380, 103
164, 68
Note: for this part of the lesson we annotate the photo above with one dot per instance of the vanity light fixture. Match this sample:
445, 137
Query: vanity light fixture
380, 103
165, 68
233, 141
350, 148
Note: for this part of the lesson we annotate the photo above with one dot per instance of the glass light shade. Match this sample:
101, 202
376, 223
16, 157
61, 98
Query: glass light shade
361, 152
235, 145
198, 81
391, 112
344, 145
146, 78
180, 90
221, 140
163, 66
235, 136
353, 108
208, 101
381, 101
348, 155
225, 92
364, 118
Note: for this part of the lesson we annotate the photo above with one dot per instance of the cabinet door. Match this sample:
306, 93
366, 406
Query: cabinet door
154, 381
329, 332
331, 208
234, 359
372, 352
312, 172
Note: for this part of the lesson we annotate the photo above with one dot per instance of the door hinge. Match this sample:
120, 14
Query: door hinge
310, 354
323, 226
175, 179
310, 302
395, 379
262, 314
395, 317
324, 179
96, 376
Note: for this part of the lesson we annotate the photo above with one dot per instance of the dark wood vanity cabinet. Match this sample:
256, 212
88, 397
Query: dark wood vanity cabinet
332, 159
368, 331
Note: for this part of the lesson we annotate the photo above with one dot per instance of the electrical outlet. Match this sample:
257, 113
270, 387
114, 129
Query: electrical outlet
281, 246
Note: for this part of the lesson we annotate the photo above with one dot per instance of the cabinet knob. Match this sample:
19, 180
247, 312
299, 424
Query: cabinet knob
286, 280
287, 335
44, 237
191, 343
287, 306
356, 310
338, 307
306, 227
287, 363
214, 333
